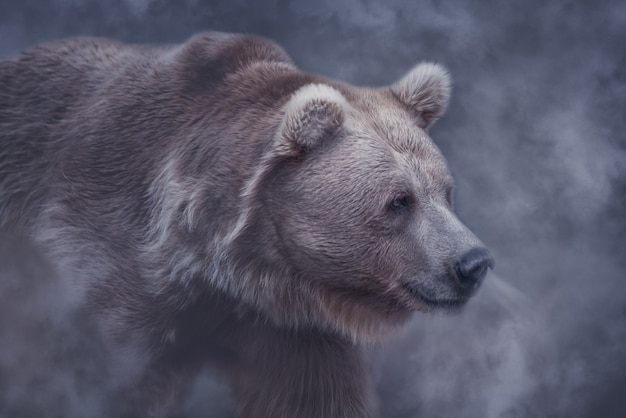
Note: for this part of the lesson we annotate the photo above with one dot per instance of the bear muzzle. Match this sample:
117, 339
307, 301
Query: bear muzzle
452, 289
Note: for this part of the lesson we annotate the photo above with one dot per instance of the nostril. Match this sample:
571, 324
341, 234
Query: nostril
473, 265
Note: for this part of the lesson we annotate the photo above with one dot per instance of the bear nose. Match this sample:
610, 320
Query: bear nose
472, 267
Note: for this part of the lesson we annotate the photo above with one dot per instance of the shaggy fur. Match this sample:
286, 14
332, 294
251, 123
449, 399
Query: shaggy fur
215, 205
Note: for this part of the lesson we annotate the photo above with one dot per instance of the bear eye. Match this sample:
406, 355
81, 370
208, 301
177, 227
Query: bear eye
400, 202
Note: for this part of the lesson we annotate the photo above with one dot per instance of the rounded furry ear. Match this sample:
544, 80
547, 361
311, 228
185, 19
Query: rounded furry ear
425, 90
314, 112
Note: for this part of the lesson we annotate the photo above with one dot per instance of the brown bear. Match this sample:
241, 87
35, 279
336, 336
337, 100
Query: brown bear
216, 206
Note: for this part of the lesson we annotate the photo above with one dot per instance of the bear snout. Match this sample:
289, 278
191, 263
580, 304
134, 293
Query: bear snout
472, 267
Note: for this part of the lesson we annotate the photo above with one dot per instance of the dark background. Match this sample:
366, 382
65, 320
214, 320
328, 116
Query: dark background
536, 137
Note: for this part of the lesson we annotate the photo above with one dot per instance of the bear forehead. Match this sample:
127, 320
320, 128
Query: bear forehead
378, 119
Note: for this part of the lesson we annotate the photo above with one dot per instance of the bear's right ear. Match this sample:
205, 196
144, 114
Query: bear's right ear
314, 112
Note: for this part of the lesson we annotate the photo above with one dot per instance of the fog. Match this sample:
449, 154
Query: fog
535, 136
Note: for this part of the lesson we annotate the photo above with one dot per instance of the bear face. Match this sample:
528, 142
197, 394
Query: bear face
358, 198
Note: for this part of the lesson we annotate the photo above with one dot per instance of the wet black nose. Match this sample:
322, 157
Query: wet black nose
472, 267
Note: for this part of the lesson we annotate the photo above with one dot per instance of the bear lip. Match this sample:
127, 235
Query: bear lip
446, 304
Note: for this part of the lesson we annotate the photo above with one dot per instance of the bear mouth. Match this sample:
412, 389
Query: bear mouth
445, 304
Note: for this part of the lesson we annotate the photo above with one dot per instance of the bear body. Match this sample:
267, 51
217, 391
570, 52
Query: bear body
213, 205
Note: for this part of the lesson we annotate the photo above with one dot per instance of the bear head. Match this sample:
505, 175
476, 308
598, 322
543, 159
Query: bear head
354, 201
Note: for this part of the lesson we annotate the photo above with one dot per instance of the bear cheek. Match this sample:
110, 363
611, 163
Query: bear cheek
317, 239
337, 251
308, 245
356, 269
331, 255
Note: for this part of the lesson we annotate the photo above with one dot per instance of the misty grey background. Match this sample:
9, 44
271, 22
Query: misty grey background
536, 137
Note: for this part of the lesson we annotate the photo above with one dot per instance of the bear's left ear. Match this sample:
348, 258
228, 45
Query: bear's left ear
426, 91
313, 113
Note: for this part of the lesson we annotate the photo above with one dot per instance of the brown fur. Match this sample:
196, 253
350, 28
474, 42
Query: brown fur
220, 206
